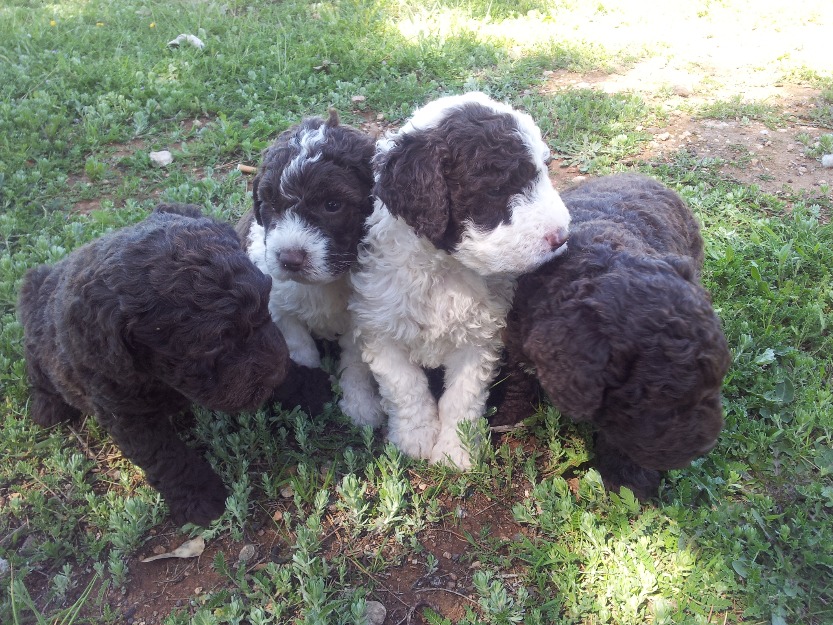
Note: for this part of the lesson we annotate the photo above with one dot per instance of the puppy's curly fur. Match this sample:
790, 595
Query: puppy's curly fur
140, 323
621, 334
464, 207
312, 196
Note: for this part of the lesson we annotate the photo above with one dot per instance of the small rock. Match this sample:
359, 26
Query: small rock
764, 131
683, 91
4, 567
358, 98
451, 585
664, 136
375, 612
277, 516
827, 160
476, 565
287, 492
802, 171
452, 577
198, 590
246, 554
790, 148
447, 555
159, 549
162, 158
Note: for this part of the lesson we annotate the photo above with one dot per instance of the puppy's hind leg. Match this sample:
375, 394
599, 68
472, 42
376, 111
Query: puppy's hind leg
193, 491
47, 407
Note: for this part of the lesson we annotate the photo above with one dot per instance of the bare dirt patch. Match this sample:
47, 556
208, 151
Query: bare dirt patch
706, 54
748, 150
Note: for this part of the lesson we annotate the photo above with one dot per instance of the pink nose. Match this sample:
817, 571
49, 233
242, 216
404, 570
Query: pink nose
556, 238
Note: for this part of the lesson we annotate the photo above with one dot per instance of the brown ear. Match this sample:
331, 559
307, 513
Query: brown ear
569, 350
411, 182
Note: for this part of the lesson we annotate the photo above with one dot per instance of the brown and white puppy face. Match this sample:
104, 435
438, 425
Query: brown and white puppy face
470, 175
311, 199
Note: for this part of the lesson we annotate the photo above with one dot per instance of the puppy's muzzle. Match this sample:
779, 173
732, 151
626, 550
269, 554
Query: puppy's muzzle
556, 238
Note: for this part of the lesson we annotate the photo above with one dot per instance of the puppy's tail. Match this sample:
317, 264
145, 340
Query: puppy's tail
186, 210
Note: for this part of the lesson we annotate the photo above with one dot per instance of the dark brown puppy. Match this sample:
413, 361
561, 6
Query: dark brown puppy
620, 333
137, 325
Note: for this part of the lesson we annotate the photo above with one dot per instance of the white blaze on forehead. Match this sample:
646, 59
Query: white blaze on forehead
307, 145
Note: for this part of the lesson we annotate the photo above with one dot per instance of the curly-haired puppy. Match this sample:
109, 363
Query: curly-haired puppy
464, 207
620, 333
137, 325
311, 200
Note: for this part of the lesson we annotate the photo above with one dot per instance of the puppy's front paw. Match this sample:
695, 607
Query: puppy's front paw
416, 442
365, 409
198, 503
449, 449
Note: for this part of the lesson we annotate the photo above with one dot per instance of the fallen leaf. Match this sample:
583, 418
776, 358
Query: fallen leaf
189, 549
194, 41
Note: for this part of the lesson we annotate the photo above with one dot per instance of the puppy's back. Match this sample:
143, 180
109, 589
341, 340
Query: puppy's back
653, 213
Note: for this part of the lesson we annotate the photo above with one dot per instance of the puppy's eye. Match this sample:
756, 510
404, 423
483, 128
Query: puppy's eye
332, 206
494, 192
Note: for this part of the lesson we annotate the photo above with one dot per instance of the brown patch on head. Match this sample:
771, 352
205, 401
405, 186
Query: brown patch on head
463, 170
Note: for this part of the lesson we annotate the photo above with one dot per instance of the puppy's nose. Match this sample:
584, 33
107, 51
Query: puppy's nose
556, 238
292, 260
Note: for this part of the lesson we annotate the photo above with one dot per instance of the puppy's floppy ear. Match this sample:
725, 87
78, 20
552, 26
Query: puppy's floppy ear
411, 182
683, 265
570, 355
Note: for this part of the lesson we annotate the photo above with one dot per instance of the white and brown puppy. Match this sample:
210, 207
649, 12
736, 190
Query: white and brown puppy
464, 207
312, 196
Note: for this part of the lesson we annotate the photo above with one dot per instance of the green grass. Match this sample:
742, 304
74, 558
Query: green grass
87, 89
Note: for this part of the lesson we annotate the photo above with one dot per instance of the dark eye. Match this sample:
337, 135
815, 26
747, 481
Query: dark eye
332, 206
494, 192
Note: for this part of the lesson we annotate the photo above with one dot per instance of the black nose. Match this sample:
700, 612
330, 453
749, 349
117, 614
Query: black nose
292, 260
